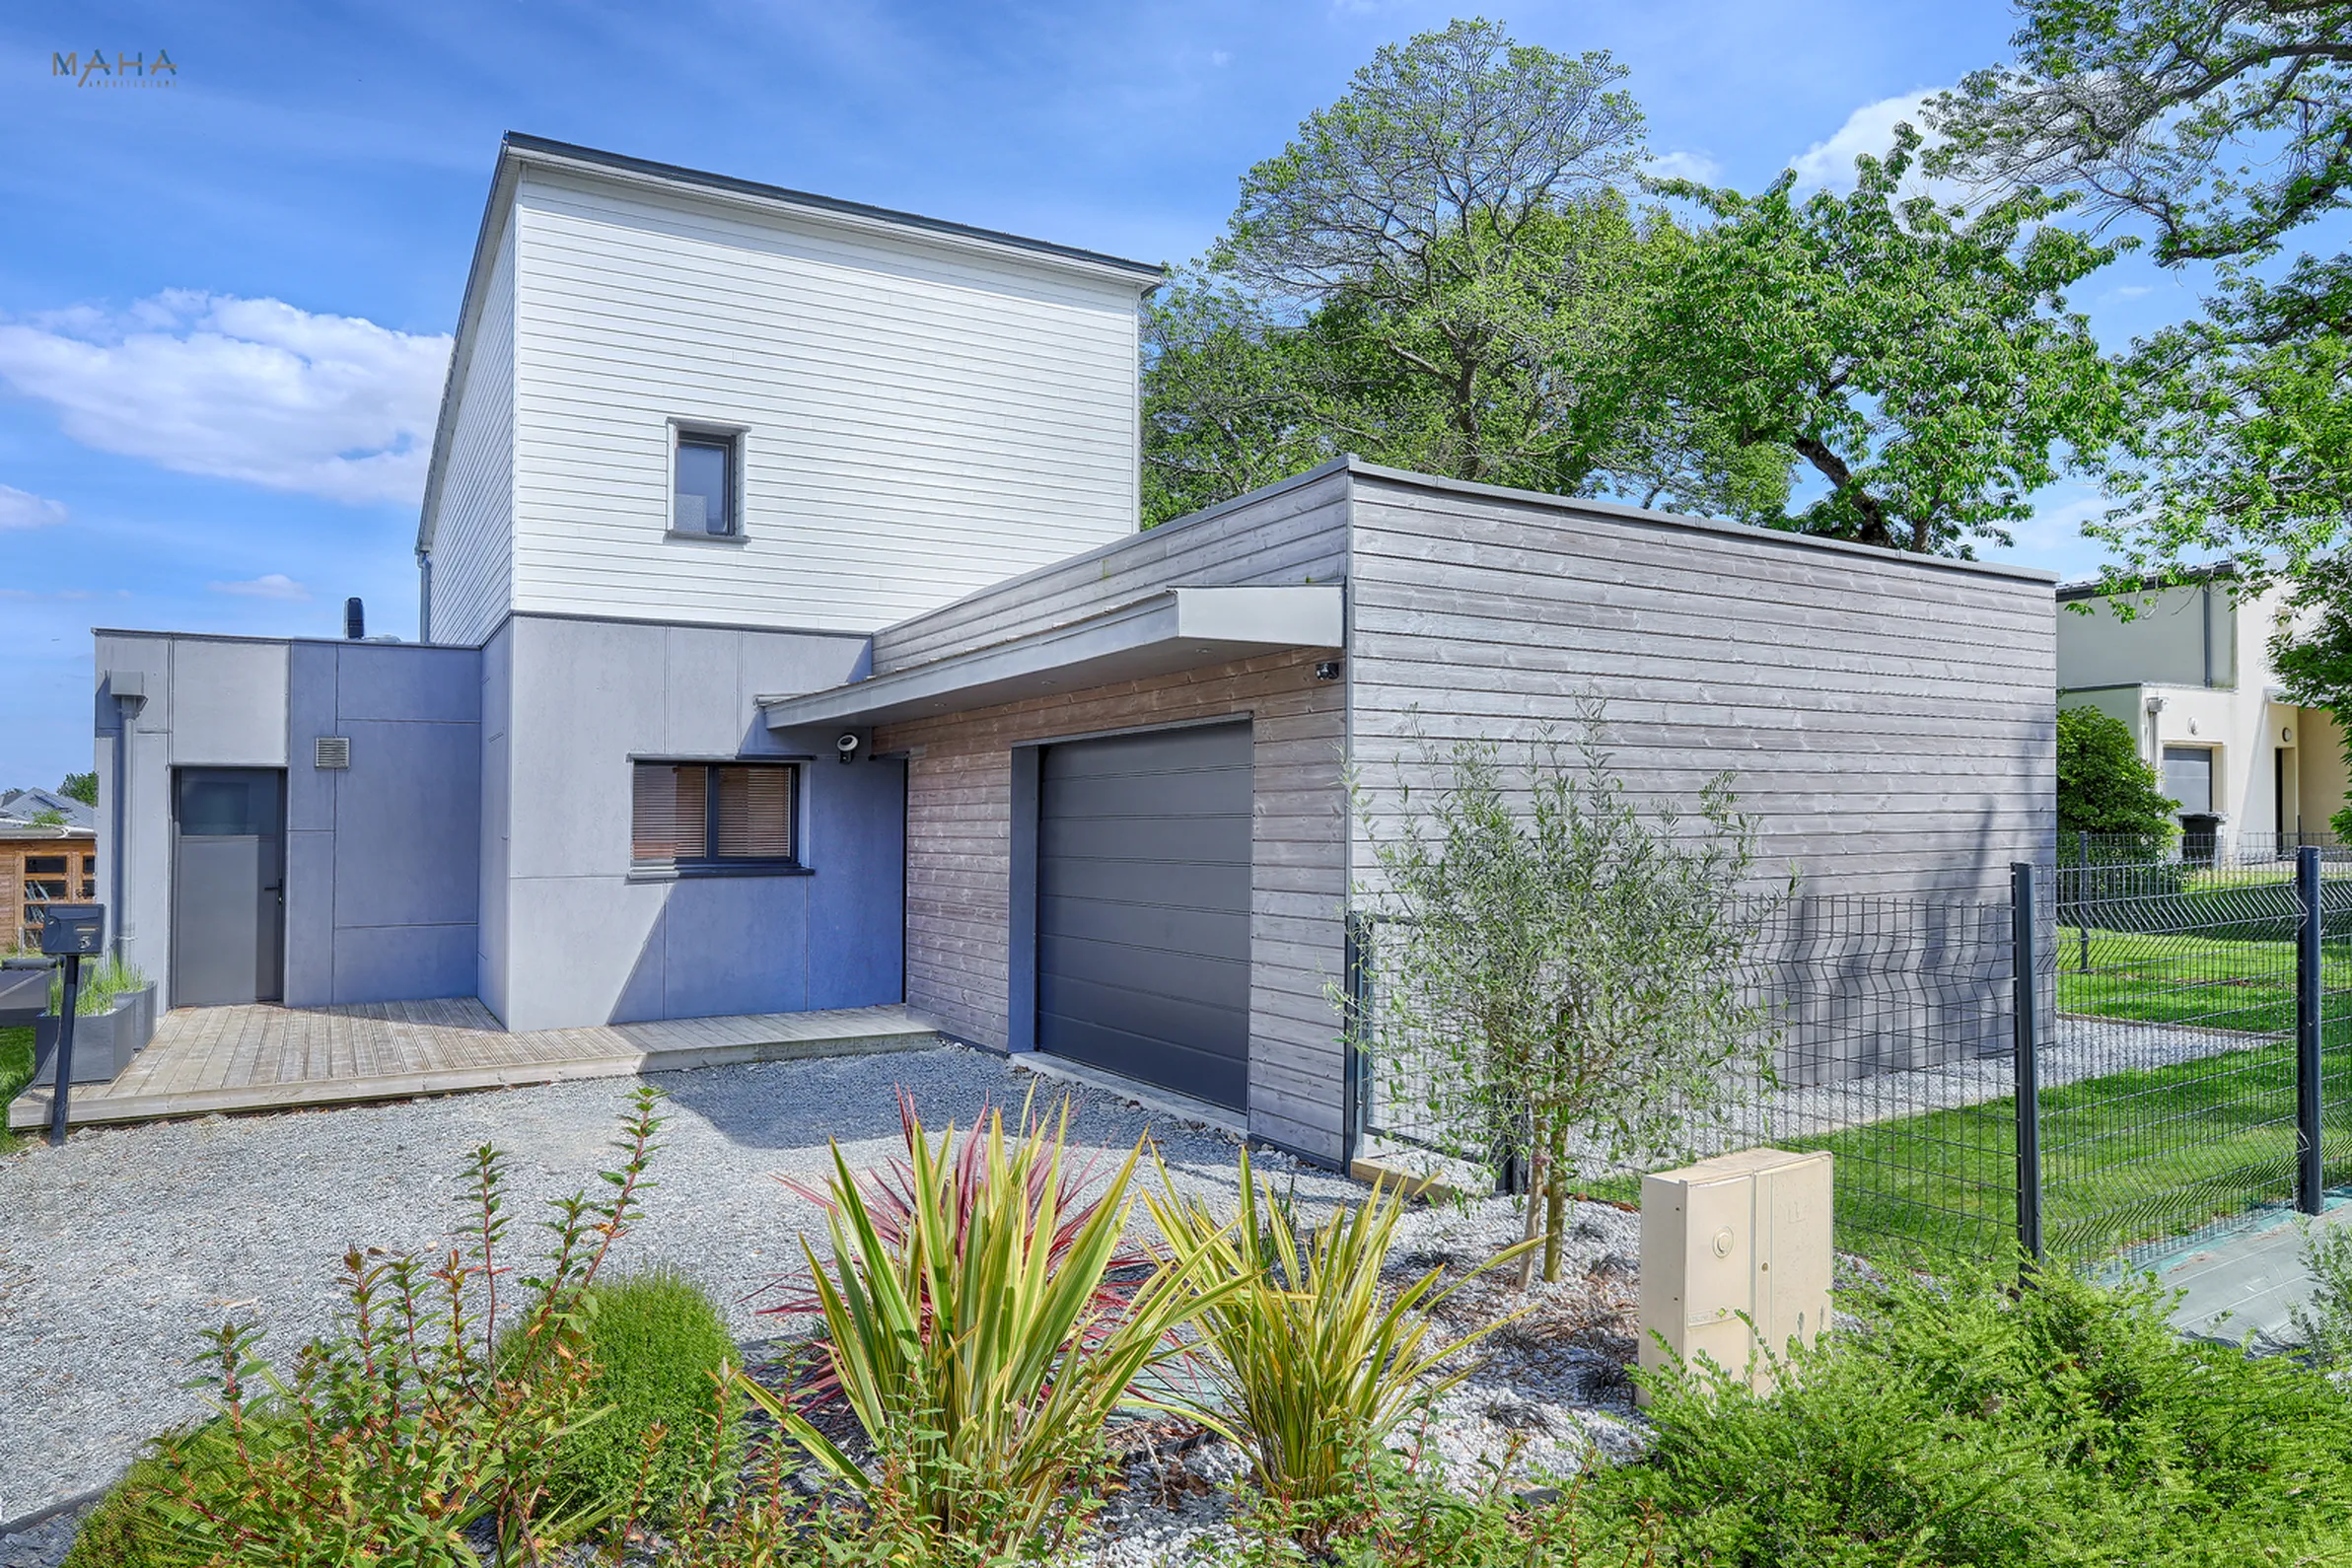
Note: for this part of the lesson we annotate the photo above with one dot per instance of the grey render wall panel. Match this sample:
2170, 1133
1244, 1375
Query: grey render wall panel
700, 683
587, 694
495, 819
407, 834
228, 703
735, 945
145, 919
392, 916
1889, 720
396, 682
398, 964
584, 940
309, 829
310, 935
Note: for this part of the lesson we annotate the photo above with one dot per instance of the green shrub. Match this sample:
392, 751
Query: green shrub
139, 1524
1426, 1520
2322, 1326
662, 1356
1965, 1424
2106, 790
389, 1440
127, 1530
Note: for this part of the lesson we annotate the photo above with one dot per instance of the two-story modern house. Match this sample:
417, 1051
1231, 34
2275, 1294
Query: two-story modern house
2189, 671
789, 642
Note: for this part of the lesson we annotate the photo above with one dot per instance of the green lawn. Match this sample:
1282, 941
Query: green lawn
16, 1065
2128, 1156
2205, 981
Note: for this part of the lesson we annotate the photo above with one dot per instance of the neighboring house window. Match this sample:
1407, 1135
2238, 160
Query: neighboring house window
706, 484
2188, 778
714, 816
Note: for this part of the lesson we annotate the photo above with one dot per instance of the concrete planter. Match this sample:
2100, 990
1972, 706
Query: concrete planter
24, 992
103, 1042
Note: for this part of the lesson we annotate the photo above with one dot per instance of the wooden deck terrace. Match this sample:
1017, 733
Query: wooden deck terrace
266, 1057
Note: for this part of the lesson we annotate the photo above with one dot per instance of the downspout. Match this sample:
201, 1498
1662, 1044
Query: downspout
2205, 620
126, 704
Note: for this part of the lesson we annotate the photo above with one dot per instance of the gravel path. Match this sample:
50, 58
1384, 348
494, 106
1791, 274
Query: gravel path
122, 1249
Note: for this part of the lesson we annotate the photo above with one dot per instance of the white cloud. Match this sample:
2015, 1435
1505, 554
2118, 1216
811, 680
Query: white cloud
21, 509
248, 390
1220, 57
274, 585
1829, 165
1697, 166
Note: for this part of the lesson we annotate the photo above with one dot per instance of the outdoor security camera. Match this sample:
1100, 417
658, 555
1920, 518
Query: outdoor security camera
846, 748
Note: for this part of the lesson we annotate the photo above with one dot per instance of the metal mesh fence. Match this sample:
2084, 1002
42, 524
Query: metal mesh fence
2170, 1077
2164, 1058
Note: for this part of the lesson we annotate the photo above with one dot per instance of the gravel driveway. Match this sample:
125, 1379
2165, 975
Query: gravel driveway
121, 1250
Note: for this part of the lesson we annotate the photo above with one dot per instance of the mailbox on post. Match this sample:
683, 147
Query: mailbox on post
72, 932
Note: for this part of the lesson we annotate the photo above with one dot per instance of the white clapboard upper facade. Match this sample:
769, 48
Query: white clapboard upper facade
912, 409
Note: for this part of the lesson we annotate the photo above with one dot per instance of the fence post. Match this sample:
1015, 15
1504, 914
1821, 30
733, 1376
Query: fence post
2310, 1168
1356, 1082
2082, 897
2027, 1010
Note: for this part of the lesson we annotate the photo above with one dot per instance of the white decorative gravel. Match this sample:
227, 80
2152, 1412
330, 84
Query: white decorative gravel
121, 1250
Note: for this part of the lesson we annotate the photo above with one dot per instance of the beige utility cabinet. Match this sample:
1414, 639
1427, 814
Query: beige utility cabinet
1745, 1233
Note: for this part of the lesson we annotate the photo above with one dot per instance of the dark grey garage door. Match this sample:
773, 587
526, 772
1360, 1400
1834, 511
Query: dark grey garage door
1143, 907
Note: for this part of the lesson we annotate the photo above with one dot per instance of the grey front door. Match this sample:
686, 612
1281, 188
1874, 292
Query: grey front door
1143, 907
228, 885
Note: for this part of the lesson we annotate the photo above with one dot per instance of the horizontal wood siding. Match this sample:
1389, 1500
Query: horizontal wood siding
1297, 534
920, 419
1889, 720
959, 785
474, 538
958, 870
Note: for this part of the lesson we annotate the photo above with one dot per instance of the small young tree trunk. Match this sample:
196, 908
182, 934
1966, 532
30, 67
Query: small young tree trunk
1539, 1165
1556, 1205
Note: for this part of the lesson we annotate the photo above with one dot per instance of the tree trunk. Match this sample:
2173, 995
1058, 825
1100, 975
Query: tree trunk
1555, 1206
1539, 1165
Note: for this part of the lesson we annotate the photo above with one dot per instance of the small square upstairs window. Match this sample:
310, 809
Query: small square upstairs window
714, 817
705, 487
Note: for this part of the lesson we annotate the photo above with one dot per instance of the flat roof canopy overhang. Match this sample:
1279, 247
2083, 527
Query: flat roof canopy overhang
1179, 629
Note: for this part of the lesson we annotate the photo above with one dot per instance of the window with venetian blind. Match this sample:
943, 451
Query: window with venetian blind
713, 816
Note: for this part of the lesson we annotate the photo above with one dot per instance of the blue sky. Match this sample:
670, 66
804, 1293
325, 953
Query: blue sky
224, 300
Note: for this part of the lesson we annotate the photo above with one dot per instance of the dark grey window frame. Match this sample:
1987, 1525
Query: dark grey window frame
709, 864
703, 433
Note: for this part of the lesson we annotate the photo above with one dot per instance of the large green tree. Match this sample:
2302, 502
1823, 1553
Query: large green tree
1440, 272
2224, 127
1450, 270
1919, 359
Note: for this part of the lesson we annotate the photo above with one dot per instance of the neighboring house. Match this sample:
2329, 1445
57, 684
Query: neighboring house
48, 855
2191, 674
790, 644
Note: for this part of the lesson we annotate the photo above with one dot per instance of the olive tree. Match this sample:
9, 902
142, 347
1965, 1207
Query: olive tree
1562, 969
